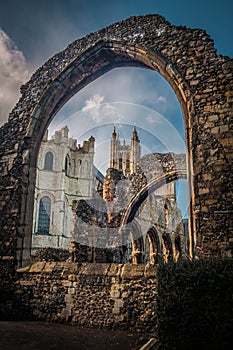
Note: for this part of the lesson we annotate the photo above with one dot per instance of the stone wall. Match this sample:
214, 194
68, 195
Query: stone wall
98, 295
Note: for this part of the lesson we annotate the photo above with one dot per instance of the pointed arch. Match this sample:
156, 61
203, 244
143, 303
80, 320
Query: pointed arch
44, 215
49, 161
154, 245
139, 41
167, 247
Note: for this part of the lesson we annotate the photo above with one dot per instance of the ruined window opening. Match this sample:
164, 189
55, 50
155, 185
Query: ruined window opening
127, 163
120, 162
147, 250
167, 247
48, 161
177, 248
66, 164
44, 215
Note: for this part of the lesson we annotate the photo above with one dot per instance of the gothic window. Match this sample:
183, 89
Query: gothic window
120, 162
177, 247
44, 215
167, 245
127, 164
84, 168
48, 161
67, 164
146, 250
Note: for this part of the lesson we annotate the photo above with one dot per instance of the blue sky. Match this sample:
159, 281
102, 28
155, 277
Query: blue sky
32, 31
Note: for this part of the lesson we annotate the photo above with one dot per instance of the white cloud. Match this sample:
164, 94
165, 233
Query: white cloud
13, 73
98, 111
93, 106
151, 119
161, 99
93, 102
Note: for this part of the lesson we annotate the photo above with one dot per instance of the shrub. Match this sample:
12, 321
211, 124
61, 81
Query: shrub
195, 304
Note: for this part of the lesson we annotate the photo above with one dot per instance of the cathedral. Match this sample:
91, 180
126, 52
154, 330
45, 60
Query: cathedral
65, 172
75, 203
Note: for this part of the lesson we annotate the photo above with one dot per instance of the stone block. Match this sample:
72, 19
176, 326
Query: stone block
228, 141
213, 118
95, 269
67, 283
215, 130
7, 258
207, 177
118, 303
72, 277
37, 267
68, 298
70, 268
71, 290
26, 283
132, 271
203, 190
224, 128
49, 266
115, 291
114, 270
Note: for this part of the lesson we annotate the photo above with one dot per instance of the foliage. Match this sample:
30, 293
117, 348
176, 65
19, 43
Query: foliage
195, 304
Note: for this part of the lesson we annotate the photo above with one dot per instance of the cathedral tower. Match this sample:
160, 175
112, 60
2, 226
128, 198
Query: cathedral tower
135, 152
113, 156
125, 157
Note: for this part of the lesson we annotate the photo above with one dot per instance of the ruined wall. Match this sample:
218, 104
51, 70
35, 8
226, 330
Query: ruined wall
98, 295
203, 83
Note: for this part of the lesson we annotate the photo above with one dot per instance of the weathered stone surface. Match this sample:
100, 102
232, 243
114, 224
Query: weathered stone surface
94, 299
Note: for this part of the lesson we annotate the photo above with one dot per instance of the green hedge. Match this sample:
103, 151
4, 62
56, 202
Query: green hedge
195, 304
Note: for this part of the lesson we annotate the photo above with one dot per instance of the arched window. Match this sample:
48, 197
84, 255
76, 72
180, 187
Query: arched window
44, 215
120, 162
67, 164
48, 161
84, 168
147, 255
167, 247
127, 164
154, 246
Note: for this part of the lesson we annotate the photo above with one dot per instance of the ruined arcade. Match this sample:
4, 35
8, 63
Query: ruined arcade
202, 81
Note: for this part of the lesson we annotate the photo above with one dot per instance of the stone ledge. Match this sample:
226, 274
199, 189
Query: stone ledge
91, 269
71, 270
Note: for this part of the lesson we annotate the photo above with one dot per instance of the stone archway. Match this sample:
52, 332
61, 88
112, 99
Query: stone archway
202, 81
149, 188
154, 245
